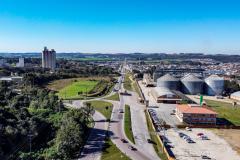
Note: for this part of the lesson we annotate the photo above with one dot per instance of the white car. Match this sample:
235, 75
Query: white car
188, 129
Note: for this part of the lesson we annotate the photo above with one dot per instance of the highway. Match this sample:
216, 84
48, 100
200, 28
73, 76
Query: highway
145, 150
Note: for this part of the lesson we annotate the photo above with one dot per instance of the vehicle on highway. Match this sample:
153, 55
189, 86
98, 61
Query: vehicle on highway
132, 148
121, 111
124, 140
125, 93
149, 140
205, 157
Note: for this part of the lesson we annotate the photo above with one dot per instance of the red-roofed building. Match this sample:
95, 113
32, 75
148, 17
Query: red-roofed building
195, 114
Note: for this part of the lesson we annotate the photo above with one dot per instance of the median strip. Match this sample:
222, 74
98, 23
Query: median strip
128, 124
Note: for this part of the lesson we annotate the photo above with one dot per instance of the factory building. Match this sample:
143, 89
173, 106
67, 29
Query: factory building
214, 85
192, 85
168, 81
164, 95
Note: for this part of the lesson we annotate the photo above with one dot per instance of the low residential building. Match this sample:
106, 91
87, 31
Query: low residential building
195, 114
164, 95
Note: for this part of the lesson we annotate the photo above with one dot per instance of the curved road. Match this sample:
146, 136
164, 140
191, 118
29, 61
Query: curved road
92, 150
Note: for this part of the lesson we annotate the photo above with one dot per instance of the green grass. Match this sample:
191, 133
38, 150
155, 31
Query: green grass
128, 82
72, 90
114, 97
157, 145
226, 110
128, 124
111, 152
100, 106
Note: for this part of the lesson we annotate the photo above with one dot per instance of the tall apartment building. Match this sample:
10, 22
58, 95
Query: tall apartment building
20, 62
49, 59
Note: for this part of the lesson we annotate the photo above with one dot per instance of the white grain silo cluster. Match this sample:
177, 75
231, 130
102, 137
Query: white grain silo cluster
190, 84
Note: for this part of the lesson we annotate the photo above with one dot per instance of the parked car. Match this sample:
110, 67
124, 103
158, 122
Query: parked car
204, 137
188, 129
200, 134
181, 134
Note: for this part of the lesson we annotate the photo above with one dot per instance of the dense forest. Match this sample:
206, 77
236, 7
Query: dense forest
35, 125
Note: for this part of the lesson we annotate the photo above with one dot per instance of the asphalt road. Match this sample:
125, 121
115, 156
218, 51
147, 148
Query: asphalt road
93, 148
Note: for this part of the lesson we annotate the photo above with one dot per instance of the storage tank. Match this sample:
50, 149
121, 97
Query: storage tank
168, 81
214, 85
192, 84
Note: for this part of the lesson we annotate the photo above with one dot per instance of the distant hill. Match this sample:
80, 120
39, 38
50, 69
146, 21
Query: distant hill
130, 56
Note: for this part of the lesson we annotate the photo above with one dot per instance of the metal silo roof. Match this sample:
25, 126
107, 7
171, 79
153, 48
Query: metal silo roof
191, 78
167, 77
214, 77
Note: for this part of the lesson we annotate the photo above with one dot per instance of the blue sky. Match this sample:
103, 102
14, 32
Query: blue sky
110, 26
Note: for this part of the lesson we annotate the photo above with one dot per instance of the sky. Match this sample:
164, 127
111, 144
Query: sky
120, 26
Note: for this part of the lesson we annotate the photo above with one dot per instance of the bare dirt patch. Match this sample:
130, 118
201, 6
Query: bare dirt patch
232, 136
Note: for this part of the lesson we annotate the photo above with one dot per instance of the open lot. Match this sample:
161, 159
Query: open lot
80, 86
232, 136
215, 148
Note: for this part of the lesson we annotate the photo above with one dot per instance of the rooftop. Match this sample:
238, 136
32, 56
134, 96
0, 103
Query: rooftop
194, 109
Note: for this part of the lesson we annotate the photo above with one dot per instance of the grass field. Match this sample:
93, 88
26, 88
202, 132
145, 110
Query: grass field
157, 145
128, 124
114, 97
72, 90
128, 82
100, 106
111, 152
226, 110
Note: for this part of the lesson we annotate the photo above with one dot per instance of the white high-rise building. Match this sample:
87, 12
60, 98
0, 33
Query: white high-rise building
49, 59
20, 62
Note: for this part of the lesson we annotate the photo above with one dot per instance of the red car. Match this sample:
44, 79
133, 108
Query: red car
200, 134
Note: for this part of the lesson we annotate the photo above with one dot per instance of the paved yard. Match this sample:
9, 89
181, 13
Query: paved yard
215, 148
163, 109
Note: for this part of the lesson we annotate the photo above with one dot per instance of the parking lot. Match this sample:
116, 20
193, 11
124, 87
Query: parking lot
214, 148
163, 110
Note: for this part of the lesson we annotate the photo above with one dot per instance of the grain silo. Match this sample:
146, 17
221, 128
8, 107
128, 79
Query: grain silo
214, 85
192, 85
168, 81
